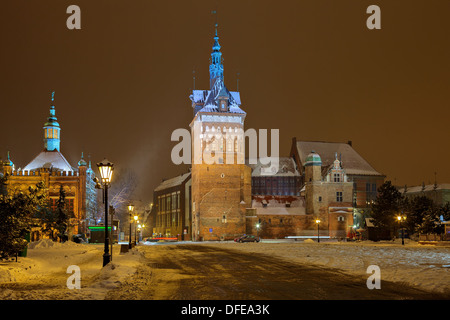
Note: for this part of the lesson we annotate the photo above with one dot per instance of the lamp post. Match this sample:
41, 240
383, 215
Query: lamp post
257, 229
318, 222
135, 228
400, 220
140, 227
130, 210
106, 169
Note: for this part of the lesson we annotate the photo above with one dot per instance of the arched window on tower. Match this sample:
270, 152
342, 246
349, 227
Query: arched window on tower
230, 144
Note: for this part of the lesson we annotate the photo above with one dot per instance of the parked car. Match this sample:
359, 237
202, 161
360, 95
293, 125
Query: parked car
247, 238
79, 238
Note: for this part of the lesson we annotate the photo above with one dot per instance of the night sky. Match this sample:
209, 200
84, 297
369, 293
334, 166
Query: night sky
309, 68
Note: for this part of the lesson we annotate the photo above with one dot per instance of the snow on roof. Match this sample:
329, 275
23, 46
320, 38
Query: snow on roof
176, 181
429, 187
49, 159
286, 167
199, 96
236, 96
209, 98
352, 162
369, 223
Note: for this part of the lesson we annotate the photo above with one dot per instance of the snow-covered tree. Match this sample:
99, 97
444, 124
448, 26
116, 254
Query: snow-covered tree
62, 218
16, 212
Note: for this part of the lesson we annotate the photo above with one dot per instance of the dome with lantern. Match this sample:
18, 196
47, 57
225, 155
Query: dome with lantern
313, 159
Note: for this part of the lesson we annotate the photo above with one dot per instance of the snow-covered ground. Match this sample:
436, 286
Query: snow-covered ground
43, 273
423, 266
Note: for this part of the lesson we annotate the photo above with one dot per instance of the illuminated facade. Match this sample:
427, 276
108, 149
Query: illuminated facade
52, 168
221, 182
230, 198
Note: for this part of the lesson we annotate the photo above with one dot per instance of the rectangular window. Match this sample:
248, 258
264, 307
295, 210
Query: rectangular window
174, 201
339, 196
53, 204
70, 206
337, 177
168, 203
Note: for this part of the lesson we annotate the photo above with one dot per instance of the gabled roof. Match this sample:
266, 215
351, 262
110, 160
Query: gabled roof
286, 167
176, 181
428, 187
352, 162
209, 98
49, 159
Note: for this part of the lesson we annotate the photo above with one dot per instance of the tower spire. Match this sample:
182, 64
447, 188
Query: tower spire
52, 129
216, 66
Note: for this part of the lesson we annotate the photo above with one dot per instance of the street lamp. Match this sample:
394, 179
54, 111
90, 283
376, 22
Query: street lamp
106, 169
257, 229
130, 210
400, 220
318, 222
135, 221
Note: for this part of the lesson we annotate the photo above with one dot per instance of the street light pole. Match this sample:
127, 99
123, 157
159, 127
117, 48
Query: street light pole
130, 210
318, 222
106, 168
400, 220
135, 229
106, 255
257, 229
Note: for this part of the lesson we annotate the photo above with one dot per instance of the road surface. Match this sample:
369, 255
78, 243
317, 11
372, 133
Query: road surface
201, 272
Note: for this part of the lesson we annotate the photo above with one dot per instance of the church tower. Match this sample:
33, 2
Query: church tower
221, 182
52, 136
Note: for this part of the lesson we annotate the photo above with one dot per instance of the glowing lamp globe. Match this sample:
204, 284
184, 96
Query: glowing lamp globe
106, 169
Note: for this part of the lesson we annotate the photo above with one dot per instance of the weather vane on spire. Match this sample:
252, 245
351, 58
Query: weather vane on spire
53, 96
214, 12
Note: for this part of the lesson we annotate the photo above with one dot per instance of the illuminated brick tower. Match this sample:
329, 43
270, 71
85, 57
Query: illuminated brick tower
221, 182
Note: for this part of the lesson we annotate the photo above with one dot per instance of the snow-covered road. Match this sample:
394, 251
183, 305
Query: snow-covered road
43, 273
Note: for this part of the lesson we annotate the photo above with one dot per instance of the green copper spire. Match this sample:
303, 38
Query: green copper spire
52, 130
216, 66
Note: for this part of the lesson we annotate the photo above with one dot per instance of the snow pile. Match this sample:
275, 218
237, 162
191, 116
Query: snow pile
43, 273
6, 275
44, 243
48, 243
113, 275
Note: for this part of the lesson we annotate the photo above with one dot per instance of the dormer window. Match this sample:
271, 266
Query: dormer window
223, 105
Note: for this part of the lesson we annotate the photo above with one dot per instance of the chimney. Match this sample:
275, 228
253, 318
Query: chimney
349, 143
